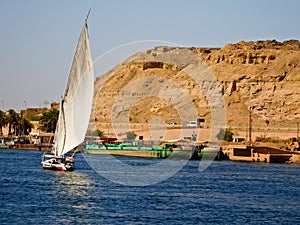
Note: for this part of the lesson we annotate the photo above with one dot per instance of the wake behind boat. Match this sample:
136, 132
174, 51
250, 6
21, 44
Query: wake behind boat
75, 108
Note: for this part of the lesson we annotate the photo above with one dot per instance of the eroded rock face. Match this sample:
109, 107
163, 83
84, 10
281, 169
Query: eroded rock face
263, 76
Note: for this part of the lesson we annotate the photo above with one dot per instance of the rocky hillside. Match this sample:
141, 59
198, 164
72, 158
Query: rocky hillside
262, 77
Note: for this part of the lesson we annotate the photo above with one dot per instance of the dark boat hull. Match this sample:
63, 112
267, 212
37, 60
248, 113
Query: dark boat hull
58, 166
50, 162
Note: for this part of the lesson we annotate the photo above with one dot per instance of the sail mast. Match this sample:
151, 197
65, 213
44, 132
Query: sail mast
87, 16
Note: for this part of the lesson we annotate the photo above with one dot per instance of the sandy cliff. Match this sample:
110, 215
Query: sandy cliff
263, 76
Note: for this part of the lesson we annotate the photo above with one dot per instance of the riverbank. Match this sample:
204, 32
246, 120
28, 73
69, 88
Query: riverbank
247, 152
35, 147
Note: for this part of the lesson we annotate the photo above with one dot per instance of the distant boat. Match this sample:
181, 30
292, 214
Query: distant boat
75, 108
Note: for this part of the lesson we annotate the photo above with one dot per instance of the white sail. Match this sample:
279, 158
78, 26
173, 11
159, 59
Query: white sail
76, 104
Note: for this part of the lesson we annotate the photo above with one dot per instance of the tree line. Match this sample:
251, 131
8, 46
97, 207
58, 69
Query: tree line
19, 125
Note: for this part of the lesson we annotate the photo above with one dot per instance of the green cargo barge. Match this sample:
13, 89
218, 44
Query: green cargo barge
133, 150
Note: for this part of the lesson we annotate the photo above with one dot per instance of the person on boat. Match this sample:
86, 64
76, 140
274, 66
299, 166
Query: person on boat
63, 160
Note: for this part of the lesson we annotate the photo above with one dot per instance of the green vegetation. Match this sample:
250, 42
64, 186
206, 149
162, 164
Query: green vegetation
263, 138
95, 133
49, 120
34, 118
17, 124
25, 126
225, 135
130, 135
3, 121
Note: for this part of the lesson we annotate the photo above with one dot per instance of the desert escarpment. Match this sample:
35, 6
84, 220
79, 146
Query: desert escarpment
261, 78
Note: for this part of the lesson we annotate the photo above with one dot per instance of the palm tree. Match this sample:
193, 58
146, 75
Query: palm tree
49, 120
225, 134
3, 121
13, 121
24, 126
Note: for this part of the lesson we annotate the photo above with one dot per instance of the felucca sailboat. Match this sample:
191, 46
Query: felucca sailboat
75, 108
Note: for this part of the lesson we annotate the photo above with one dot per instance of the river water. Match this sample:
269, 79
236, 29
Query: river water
225, 193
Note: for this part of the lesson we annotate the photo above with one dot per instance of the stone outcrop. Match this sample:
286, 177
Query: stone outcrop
262, 77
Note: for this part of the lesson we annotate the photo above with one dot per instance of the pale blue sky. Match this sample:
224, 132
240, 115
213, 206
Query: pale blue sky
38, 38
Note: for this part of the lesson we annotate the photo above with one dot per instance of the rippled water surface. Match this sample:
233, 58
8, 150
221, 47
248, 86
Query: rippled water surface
225, 193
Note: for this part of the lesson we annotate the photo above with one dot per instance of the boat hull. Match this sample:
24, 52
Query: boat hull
144, 152
131, 153
252, 153
50, 162
58, 166
171, 151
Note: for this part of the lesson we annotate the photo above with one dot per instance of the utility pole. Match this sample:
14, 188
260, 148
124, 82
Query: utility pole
250, 124
25, 104
170, 100
297, 130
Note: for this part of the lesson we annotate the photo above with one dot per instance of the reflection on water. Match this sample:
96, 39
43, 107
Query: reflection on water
73, 189
73, 183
